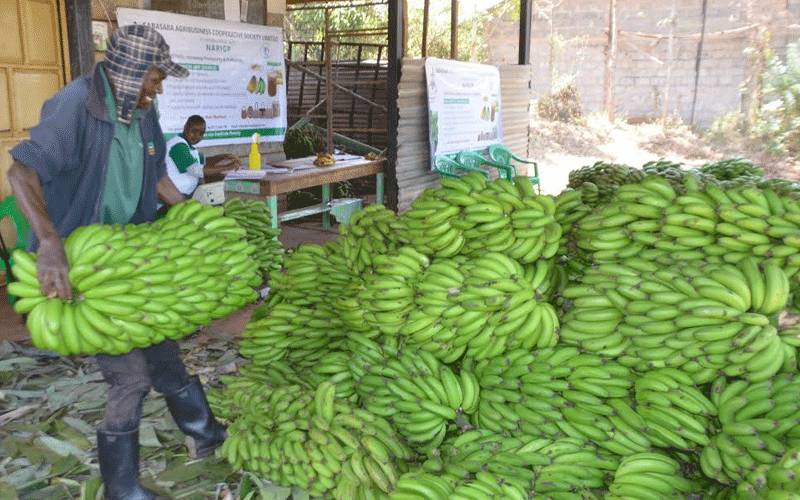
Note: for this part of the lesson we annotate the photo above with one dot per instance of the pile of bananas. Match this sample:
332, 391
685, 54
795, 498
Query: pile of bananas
138, 284
254, 216
633, 352
310, 439
733, 172
324, 160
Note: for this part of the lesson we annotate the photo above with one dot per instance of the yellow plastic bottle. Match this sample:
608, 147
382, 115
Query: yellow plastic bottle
255, 156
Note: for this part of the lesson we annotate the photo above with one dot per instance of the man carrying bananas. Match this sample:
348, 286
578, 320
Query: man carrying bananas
98, 156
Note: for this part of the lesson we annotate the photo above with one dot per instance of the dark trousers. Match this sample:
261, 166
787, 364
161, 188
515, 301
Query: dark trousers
130, 377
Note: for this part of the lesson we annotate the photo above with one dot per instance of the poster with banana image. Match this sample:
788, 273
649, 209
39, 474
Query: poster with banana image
464, 110
237, 76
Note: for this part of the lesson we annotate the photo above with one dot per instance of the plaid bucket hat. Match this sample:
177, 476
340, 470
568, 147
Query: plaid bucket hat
131, 50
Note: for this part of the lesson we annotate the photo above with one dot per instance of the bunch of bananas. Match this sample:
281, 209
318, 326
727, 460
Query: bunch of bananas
313, 440
373, 230
778, 480
138, 284
758, 423
689, 316
676, 413
733, 171
649, 475
422, 396
324, 160
294, 333
254, 216
471, 216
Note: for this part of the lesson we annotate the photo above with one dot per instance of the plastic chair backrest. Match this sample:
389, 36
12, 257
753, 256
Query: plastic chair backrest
502, 154
474, 160
448, 167
9, 208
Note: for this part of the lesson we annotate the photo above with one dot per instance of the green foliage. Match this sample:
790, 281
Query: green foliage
780, 115
302, 141
777, 125
473, 30
308, 24
304, 24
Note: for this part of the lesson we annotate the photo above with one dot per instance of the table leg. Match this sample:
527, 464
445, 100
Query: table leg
326, 198
272, 203
379, 187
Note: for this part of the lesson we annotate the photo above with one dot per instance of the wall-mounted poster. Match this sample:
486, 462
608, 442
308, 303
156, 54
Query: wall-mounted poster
99, 34
463, 106
237, 76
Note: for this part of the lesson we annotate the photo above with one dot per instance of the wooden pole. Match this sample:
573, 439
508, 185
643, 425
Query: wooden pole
405, 29
698, 59
328, 82
611, 61
670, 64
425, 14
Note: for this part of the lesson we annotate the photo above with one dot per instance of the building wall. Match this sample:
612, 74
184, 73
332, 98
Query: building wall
643, 55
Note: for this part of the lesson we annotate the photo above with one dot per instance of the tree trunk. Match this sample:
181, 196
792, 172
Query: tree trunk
611, 61
670, 64
699, 58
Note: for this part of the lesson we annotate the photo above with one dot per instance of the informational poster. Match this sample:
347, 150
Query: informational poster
237, 81
463, 106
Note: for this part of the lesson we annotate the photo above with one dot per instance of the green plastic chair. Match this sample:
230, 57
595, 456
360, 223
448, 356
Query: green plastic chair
9, 208
447, 167
502, 154
474, 160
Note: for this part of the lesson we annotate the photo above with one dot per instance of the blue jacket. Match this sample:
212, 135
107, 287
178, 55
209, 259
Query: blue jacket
69, 150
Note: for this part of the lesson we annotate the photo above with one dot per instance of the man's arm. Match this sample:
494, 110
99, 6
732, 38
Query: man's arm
216, 165
52, 267
168, 193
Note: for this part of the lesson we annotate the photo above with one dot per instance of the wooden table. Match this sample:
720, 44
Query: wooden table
272, 184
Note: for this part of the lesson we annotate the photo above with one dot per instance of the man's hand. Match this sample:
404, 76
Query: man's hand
52, 269
223, 162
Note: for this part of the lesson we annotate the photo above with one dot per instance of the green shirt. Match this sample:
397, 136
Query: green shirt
185, 155
125, 168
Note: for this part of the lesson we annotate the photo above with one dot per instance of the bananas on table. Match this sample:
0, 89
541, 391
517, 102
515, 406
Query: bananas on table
324, 160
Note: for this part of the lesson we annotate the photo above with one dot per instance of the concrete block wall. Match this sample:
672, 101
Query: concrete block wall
643, 52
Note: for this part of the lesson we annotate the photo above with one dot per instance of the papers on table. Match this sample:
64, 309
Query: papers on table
246, 174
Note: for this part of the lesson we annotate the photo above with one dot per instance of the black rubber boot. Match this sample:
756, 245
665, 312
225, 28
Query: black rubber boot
191, 412
119, 466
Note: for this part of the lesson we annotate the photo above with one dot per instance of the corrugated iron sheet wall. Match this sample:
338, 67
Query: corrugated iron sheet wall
413, 169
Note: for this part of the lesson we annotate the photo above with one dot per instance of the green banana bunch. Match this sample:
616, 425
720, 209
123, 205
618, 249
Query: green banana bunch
137, 284
310, 439
255, 217
757, 425
370, 231
676, 413
649, 475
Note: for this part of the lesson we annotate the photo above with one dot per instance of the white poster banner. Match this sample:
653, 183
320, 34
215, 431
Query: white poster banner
237, 76
463, 106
